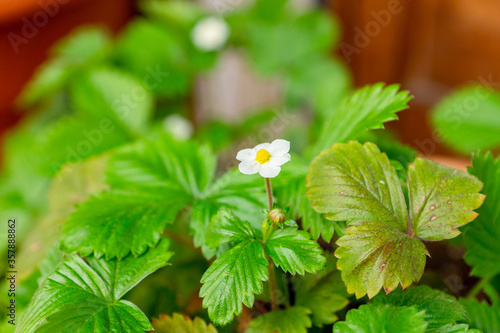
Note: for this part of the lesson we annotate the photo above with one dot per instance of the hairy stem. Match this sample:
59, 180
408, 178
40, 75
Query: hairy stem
478, 287
272, 283
269, 190
181, 240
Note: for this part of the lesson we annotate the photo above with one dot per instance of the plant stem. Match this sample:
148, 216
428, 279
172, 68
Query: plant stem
269, 190
270, 266
478, 287
272, 283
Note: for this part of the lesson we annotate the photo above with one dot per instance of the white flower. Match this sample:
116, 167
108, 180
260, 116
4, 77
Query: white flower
180, 128
266, 158
210, 34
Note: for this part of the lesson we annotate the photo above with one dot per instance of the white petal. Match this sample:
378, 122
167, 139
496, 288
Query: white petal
210, 34
246, 155
268, 170
279, 147
249, 167
280, 160
266, 146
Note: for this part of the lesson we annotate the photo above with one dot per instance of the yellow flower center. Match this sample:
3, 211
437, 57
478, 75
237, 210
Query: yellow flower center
263, 156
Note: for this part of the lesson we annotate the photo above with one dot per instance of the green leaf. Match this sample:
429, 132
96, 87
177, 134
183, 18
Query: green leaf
374, 255
74, 138
388, 143
453, 328
180, 324
115, 96
74, 184
441, 199
174, 12
117, 222
111, 109
84, 296
382, 318
294, 251
233, 279
226, 227
469, 119
367, 108
322, 293
83, 46
292, 320
226, 193
440, 309
320, 81
163, 163
49, 78
355, 183
267, 47
151, 181
157, 55
482, 316
291, 189
481, 237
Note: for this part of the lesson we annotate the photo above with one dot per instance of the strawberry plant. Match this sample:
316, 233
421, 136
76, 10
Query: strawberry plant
329, 225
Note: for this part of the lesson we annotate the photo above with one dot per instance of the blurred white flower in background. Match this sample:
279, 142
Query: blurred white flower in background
210, 34
180, 128
266, 158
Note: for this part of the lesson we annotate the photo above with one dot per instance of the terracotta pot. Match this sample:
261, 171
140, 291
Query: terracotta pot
28, 29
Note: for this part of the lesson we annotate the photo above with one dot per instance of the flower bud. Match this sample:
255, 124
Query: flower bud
277, 215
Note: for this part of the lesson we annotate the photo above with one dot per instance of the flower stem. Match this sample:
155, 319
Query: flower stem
269, 190
272, 283
479, 287
270, 266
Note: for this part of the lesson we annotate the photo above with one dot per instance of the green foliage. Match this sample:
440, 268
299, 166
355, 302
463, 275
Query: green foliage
382, 318
441, 199
111, 109
440, 309
225, 228
291, 189
396, 152
110, 94
294, 251
323, 293
237, 274
150, 184
80, 295
156, 56
181, 324
359, 177
81, 50
482, 316
321, 82
100, 224
292, 320
95, 95
481, 239
367, 108
233, 279
469, 119
74, 184
355, 183
268, 49
454, 328
373, 255
226, 192
162, 163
